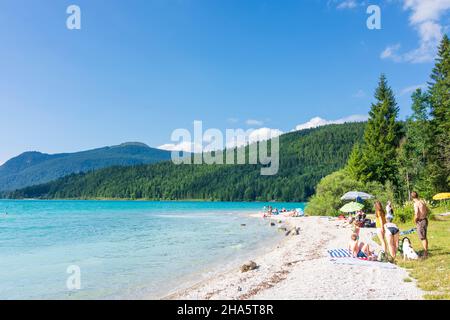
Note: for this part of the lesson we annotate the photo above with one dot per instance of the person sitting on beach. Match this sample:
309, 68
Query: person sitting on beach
392, 233
358, 249
360, 218
291, 213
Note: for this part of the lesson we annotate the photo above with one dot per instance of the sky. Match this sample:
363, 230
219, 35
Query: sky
137, 70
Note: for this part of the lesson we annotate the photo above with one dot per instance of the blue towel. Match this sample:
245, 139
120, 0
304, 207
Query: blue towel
402, 233
339, 253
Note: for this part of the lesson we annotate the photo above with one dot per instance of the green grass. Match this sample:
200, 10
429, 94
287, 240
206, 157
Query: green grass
432, 274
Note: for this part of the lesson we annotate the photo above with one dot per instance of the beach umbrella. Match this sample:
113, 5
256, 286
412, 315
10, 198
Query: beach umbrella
442, 196
353, 195
351, 207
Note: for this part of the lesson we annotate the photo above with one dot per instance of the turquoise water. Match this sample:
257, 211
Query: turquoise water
124, 249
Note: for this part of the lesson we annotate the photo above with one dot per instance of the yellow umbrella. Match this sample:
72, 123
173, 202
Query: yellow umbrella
442, 196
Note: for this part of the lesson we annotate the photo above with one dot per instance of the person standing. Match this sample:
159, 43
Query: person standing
392, 233
421, 220
380, 221
389, 210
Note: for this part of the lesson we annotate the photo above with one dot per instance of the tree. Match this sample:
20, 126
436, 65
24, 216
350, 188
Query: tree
413, 155
355, 165
327, 199
439, 91
381, 137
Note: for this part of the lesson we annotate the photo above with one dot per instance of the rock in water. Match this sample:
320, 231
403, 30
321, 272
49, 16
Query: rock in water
293, 232
251, 265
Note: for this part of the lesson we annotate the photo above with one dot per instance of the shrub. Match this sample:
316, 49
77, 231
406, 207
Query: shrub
327, 199
404, 213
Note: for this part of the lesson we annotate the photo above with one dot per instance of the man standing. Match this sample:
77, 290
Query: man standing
421, 220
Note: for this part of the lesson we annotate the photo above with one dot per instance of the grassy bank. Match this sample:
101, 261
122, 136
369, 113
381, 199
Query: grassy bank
432, 274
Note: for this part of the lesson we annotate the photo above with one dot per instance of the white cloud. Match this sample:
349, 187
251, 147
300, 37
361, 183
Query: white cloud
426, 10
249, 136
425, 18
391, 52
318, 122
411, 89
185, 146
252, 136
262, 134
347, 4
253, 122
359, 94
233, 120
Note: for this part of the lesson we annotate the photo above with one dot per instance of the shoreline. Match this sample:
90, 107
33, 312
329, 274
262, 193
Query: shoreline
233, 266
298, 267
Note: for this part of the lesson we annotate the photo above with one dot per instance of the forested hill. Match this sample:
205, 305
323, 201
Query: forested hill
305, 157
31, 168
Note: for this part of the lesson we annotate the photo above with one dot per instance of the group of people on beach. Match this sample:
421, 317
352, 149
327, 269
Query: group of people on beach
387, 231
269, 211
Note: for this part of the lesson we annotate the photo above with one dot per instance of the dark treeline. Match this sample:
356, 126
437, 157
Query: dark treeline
305, 157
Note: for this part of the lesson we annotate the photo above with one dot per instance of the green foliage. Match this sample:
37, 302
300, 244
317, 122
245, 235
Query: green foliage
381, 137
355, 165
326, 201
383, 193
440, 123
31, 168
404, 213
305, 157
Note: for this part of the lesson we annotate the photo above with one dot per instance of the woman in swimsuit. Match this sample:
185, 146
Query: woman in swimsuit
380, 221
392, 235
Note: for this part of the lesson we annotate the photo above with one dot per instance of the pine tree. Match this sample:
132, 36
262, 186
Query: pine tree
439, 91
355, 165
381, 137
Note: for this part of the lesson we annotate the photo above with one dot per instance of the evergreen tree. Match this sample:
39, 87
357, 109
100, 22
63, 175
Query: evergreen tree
381, 137
440, 123
355, 165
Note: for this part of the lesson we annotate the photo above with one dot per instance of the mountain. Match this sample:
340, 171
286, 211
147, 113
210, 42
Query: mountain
31, 168
305, 157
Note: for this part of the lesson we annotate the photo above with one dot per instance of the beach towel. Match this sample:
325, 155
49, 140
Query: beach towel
339, 253
403, 233
343, 253
365, 263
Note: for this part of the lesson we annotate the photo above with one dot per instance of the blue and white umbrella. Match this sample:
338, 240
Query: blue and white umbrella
354, 195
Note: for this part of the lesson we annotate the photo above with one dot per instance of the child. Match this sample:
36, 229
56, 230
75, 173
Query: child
358, 249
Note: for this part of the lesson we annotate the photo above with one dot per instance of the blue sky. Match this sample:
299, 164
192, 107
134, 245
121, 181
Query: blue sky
137, 70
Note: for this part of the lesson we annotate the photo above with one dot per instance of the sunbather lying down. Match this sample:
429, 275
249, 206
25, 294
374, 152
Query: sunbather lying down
360, 249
